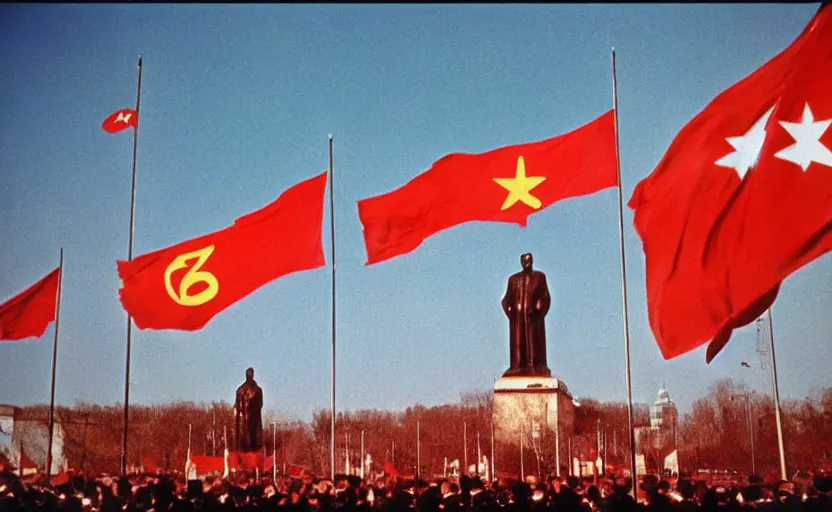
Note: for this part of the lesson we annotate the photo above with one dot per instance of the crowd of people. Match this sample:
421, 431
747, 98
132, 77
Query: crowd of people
244, 493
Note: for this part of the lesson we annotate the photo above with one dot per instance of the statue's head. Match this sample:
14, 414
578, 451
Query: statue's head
526, 261
249, 373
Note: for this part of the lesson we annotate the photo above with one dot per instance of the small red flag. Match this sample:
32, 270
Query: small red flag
28, 313
121, 120
677, 207
149, 464
186, 285
503, 185
205, 464
390, 468
782, 216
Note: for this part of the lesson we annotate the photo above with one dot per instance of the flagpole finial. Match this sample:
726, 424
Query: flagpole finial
140, 60
330, 136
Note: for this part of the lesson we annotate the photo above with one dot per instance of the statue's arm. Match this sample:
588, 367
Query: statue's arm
546, 300
506, 302
238, 405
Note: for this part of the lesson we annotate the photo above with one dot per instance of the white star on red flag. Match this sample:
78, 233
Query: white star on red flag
807, 147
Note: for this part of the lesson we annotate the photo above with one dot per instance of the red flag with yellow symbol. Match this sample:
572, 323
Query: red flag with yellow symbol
184, 286
502, 185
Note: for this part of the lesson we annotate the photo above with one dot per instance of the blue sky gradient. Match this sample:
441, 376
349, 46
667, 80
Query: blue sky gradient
237, 103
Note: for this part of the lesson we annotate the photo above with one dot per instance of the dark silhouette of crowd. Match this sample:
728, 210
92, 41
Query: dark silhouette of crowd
241, 493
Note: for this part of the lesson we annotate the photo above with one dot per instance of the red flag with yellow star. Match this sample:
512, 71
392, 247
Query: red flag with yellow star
502, 185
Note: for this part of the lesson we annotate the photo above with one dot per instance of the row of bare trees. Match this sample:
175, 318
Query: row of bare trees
714, 434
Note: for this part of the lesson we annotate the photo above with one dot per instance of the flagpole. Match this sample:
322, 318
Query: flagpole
332, 245
465, 445
130, 258
780, 446
274, 453
188, 462
492, 451
628, 372
418, 450
54, 363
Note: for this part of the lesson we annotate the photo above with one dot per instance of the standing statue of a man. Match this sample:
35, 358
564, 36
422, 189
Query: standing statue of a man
526, 303
247, 415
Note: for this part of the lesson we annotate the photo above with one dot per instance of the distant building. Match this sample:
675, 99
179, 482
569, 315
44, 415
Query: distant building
661, 433
663, 413
33, 435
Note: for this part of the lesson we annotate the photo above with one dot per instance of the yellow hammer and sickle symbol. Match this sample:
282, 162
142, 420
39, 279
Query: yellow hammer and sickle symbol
192, 277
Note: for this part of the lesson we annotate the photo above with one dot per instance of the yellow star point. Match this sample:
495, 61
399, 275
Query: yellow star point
520, 187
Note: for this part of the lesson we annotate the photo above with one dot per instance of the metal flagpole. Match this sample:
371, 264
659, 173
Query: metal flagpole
130, 258
776, 400
557, 450
479, 455
418, 450
571, 469
361, 472
188, 462
274, 453
332, 244
630, 425
492, 450
522, 469
54, 362
465, 444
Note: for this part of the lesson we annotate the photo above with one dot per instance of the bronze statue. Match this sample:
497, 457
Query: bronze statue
525, 304
247, 415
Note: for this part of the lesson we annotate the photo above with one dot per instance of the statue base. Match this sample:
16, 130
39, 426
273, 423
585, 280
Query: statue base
526, 405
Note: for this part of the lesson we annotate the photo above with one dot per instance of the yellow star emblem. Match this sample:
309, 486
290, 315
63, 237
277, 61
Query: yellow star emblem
520, 187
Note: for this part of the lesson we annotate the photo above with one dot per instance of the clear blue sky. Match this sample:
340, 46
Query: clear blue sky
237, 103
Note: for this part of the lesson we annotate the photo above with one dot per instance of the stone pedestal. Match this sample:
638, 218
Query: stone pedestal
525, 404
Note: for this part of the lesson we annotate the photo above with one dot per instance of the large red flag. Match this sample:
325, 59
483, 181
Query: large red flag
503, 185
781, 218
28, 313
679, 204
120, 120
186, 285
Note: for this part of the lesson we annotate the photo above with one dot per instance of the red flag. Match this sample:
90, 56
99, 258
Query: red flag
244, 460
121, 120
62, 478
186, 285
679, 204
782, 216
149, 464
503, 185
28, 313
390, 469
205, 464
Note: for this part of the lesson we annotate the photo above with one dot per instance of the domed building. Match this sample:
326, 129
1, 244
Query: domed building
663, 413
658, 439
